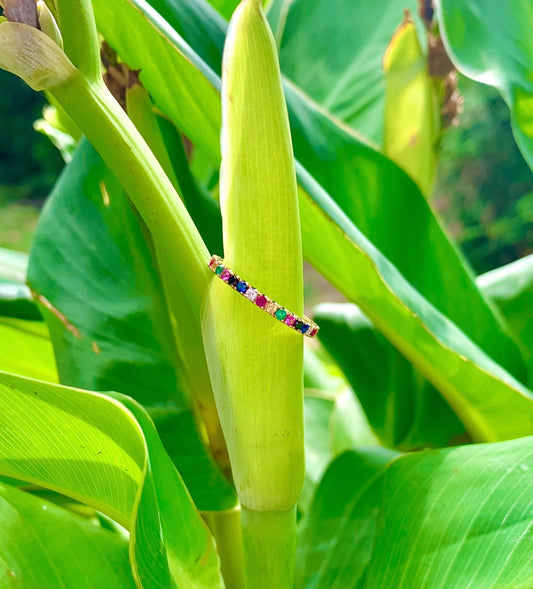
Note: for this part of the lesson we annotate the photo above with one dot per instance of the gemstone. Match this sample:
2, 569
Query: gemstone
232, 280
314, 331
281, 314
271, 307
213, 264
251, 294
225, 275
289, 320
304, 328
242, 286
298, 325
261, 301
219, 270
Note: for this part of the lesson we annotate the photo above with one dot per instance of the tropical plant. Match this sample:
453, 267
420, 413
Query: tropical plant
190, 472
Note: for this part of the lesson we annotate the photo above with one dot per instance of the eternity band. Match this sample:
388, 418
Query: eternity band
303, 325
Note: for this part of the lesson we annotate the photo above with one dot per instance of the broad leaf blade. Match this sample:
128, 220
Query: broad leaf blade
43, 546
333, 50
106, 453
26, 349
458, 517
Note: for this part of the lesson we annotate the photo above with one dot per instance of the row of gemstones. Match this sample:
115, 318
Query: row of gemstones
308, 328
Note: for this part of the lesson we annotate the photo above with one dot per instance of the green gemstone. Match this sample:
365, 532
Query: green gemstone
219, 270
280, 314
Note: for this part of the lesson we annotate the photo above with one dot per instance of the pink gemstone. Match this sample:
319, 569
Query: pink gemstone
225, 275
261, 301
290, 320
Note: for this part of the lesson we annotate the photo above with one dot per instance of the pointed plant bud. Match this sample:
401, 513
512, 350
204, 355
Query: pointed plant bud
33, 56
48, 24
255, 361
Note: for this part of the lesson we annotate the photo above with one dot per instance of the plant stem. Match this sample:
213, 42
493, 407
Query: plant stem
80, 38
226, 529
181, 252
269, 548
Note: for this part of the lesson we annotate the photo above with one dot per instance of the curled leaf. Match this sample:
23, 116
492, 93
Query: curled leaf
33, 56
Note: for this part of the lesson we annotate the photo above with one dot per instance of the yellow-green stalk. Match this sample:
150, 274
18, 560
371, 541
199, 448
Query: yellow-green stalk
256, 362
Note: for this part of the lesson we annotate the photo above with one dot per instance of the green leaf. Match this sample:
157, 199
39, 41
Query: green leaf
106, 453
333, 51
511, 288
456, 517
491, 43
44, 546
93, 270
489, 401
26, 349
375, 195
336, 537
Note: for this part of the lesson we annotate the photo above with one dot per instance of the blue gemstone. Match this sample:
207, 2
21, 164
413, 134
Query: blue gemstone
242, 286
304, 328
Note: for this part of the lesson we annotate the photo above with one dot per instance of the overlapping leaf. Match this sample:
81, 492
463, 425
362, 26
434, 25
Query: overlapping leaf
458, 517
106, 453
36, 547
333, 50
26, 349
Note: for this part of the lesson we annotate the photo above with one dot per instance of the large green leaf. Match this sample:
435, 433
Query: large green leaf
491, 42
106, 453
511, 288
489, 401
333, 50
93, 269
26, 349
336, 537
458, 517
43, 546
388, 208
370, 189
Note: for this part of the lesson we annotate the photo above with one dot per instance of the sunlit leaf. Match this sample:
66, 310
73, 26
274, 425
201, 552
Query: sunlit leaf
106, 453
45, 547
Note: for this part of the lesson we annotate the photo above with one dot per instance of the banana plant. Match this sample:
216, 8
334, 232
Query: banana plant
163, 424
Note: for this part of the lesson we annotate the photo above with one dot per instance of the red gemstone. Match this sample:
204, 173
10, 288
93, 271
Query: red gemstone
225, 275
261, 301
313, 332
290, 320
213, 264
